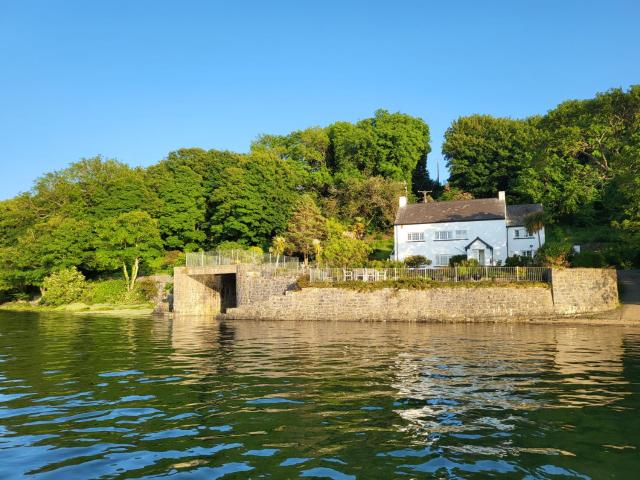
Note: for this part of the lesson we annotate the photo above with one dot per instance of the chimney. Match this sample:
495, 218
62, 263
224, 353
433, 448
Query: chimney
501, 196
402, 201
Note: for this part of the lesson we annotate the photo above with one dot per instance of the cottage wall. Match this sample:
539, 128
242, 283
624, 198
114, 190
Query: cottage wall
491, 231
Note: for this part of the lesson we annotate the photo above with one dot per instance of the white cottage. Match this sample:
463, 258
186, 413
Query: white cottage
486, 229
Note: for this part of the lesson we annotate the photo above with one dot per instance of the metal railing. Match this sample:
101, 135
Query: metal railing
240, 257
446, 274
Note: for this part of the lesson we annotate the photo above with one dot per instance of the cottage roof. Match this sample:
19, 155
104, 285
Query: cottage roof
452, 211
517, 213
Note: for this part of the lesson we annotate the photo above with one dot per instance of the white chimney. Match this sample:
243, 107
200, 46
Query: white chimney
501, 196
402, 201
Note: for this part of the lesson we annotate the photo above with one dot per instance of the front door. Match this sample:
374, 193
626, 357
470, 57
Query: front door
481, 257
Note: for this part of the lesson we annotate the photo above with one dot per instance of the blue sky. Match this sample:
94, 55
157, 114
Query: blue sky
134, 80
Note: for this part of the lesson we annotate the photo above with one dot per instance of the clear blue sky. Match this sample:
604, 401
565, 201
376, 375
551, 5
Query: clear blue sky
136, 79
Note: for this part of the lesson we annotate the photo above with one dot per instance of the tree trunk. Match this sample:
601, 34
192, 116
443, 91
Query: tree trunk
126, 273
134, 273
538, 232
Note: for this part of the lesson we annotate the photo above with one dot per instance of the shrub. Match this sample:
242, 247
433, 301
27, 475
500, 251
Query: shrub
63, 287
106, 291
415, 261
145, 290
554, 254
384, 264
345, 252
518, 261
589, 260
457, 260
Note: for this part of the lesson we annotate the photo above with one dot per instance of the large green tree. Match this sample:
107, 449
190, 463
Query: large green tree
486, 155
125, 242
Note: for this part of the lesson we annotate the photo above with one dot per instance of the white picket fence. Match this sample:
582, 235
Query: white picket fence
446, 274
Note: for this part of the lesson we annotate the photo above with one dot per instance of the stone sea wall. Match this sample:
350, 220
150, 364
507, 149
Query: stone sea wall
574, 291
584, 290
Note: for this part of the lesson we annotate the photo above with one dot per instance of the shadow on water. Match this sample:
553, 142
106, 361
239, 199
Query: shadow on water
109, 397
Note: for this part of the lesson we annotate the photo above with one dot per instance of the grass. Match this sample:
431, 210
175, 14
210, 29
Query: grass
382, 249
21, 306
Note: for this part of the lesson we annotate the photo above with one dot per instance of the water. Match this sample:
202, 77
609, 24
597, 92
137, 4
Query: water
105, 397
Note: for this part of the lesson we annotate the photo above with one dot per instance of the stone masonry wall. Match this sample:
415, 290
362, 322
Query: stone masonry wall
443, 304
574, 291
584, 290
256, 285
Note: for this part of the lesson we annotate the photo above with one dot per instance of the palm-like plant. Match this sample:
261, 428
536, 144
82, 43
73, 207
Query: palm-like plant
534, 222
277, 248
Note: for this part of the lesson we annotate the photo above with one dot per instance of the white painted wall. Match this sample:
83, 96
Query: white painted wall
518, 245
491, 231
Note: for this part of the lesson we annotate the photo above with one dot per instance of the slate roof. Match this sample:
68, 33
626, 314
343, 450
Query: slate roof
452, 211
517, 213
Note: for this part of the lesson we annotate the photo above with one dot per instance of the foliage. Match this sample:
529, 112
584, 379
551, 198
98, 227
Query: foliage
345, 252
127, 240
306, 225
518, 261
534, 223
487, 154
589, 260
451, 193
254, 199
106, 291
415, 261
554, 254
455, 260
374, 199
414, 284
64, 286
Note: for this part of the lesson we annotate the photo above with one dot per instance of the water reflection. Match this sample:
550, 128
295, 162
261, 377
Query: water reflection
196, 398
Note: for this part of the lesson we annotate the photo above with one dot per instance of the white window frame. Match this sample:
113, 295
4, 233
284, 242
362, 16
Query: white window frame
462, 234
415, 237
447, 234
439, 257
521, 233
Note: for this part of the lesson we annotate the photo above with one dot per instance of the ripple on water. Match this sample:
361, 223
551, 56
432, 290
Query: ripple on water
109, 397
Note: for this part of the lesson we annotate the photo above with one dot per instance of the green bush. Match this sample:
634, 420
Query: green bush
415, 261
106, 291
457, 260
384, 264
518, 261
63, 287
554, 254
145, 290
589, 260
345, 252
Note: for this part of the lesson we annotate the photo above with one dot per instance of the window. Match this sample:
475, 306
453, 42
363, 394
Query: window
527, 253
415, 237
521, 233
452, 235
444, 235
442, 260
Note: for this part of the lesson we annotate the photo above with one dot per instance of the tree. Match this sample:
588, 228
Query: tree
486, 155
306, 225
278, 246
126, 241
534, 222
390, 145
345, 252
374, 199
449, 194
182, 208
254, 199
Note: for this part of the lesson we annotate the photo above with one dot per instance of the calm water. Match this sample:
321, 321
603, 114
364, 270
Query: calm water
103, 397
